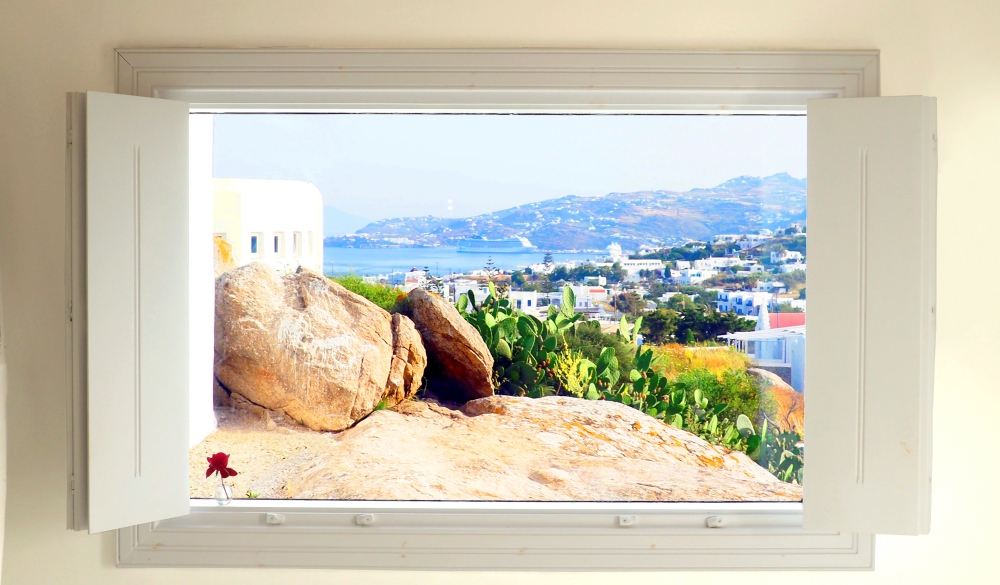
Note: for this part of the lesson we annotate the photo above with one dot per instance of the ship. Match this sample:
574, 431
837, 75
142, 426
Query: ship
505, 246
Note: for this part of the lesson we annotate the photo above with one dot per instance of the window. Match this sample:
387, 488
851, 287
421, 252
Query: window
297, 244
600, 535
255, 244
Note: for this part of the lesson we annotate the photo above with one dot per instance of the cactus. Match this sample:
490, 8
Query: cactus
523, 347
629, 334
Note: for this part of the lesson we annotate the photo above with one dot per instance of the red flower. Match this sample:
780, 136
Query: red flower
218, 463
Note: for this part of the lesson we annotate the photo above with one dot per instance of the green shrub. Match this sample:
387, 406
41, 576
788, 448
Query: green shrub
380, 294
589, 340
735, 388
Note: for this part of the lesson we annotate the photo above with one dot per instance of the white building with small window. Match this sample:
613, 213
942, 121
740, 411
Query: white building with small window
786, 257
716, 263
786, 268
753, 240
725, 239
694, 276
770, 286
780, 350
273, 221
742, 302
633, 267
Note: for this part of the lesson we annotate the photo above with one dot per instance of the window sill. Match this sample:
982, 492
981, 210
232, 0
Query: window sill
490, 537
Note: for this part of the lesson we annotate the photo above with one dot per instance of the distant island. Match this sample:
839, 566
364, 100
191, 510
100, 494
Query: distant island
740, 205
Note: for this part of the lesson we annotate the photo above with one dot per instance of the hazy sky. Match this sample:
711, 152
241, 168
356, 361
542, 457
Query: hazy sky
376, 166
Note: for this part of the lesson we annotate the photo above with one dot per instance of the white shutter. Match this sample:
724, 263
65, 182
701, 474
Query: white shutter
870, 354
137, 309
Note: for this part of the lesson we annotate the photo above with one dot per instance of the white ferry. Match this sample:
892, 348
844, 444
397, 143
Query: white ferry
505, 246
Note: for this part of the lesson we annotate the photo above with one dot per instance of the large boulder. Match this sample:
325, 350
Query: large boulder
307, 346
522, 449
460, 366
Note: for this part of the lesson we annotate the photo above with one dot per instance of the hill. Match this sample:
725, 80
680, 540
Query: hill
740, 205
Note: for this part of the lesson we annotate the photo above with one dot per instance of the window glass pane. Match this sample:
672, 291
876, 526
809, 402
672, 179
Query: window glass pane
519, 253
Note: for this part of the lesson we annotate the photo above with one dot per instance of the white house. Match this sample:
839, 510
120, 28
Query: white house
786, 257
274, 221
782, 350
633, 267
715, 263
463, 286
525, 300
772, 286
726, 238
742, 302
586, 296
753, 240
694, 276
785, 268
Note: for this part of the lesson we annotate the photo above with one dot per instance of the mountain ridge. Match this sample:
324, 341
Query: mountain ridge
742, 204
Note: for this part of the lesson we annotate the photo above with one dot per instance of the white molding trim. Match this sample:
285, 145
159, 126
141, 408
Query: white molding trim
496, 80
480, 535
493, 537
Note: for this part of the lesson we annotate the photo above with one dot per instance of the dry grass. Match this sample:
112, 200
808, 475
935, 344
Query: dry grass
717, 359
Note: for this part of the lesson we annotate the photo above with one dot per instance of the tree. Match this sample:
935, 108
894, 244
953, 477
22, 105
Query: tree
490, 268
560, 273
679, 302
698, 323
630, 302
517, 278
660, 325
618, 273
547, 260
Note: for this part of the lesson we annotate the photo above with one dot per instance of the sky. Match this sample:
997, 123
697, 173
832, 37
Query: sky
378, 166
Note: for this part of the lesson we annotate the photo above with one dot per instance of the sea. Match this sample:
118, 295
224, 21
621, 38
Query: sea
440, 261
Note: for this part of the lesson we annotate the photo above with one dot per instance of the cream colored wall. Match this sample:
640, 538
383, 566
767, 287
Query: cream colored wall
949, 49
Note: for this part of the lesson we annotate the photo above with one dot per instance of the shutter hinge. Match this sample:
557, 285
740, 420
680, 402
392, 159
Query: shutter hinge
72, 484
69, 137
71, 311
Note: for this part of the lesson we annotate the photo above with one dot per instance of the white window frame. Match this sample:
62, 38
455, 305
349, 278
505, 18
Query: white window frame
483, 535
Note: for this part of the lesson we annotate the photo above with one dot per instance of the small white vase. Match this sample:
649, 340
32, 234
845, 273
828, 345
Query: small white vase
223, 494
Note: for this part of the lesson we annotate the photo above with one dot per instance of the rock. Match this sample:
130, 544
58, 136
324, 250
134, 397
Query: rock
307, 346
220, 396
766, 378
409, 359
258, 413
224, 261
512, 448
783, 406
460, 367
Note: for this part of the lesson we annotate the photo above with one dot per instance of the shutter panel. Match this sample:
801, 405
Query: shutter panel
137, 309
870, 355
